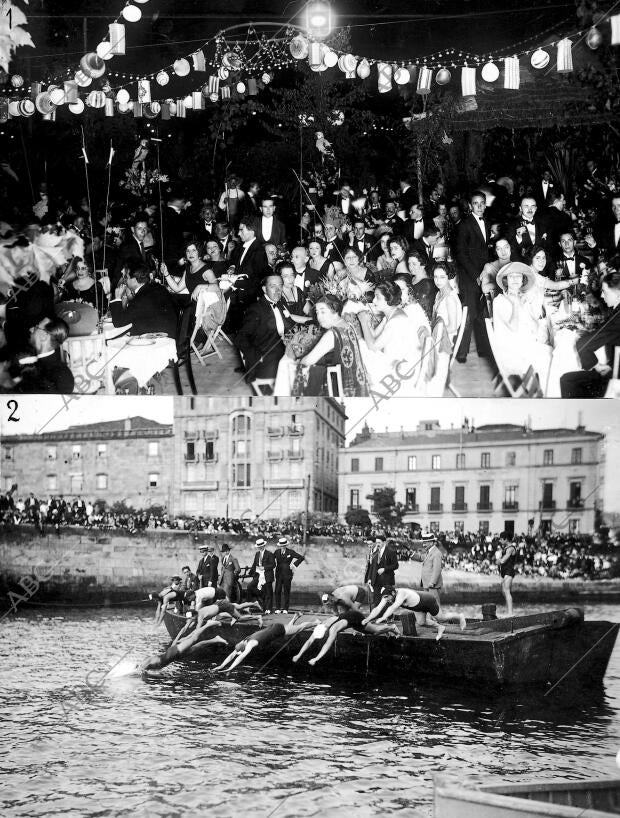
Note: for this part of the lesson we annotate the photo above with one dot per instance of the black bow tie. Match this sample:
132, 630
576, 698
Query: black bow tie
527, 221
419, 221
569, 258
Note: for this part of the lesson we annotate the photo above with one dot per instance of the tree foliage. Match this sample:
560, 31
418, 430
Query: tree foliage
385, 507
357, 517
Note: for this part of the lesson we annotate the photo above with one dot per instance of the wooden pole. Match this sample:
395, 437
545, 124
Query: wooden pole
304, 538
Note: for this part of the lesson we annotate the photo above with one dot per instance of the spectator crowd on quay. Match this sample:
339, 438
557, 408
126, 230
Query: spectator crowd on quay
368, 275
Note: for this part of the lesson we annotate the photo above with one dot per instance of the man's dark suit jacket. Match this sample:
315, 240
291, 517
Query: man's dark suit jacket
555, 222
129, 253
173, 230
49, 375
370, 575
608, 336
254, 265
471, 249
283, 561
151, 310
269, 564
258, 339
425, 250
520, 250
278, 233
311, 276
207, 571
389, 562
605, 239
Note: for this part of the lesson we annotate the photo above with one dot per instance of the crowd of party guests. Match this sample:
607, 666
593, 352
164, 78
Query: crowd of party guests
365, 281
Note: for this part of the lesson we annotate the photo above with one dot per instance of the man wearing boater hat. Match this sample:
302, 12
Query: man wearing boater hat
287, 561
207, 567
261, 587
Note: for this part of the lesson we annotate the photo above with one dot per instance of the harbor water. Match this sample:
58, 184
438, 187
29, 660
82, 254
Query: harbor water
262, 741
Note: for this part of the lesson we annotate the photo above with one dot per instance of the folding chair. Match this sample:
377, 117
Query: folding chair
615, 372
457, 344
334, 381
212, 337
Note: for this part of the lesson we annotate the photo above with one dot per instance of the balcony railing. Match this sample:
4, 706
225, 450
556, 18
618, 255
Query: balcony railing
274, 455
213, 459
488, 506
191, 458
435, 506
412, 508
459, 506
275, 431
575, 502
506, 506
296, 429
295, 455
547, 505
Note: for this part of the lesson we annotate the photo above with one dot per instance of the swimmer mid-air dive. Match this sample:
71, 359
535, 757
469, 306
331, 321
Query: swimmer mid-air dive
418, 601
201, 636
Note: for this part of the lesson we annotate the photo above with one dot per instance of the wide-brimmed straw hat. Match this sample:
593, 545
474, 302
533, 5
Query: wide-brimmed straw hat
529, 277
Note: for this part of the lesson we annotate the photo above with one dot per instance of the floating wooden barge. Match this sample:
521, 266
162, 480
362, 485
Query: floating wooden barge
538, 649
598, 798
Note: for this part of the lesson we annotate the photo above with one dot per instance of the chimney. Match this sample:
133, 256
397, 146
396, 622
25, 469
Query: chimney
580, 426
127, 425
402, 433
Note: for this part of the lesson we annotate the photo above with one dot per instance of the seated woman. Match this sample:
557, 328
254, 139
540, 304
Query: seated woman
422, 287
199, 274
384, 263
392, 349
357, 279
337, 346
398, 250
292, 296
546, 292
318, 261
516, 324
214, 258
447, 304
408, 303
85, 288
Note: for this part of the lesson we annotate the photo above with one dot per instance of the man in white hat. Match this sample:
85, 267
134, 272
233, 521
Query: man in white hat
261, 586
286, 561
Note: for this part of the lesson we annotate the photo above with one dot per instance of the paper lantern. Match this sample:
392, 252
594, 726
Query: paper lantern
141, 1
240, 87
162, 78
315, 54
443, 76
266, 78
225, 91
181, 67
122, 96
35, 90
43, 103
565, 56
384, 77
109, 107
17, 80
318, 68
223, 73
401, 76
490, 72
123, 107
57, 96
198, 58
148, 111
104, 50
116, 35
540, 59
363, 68
468, 81
214, 85
348, 64
156, 106
197, 101
330, 58
144, 91
82, 80
252, 87
165, 111
51, 117
188, 102
4, 109
26, 107
70, 88
138, 109
615, 29
594, 38
174, 108
298, 47
214, 97
512, 78
131, 13
77, 107
96, 99
425, 77
92, 65
14, 108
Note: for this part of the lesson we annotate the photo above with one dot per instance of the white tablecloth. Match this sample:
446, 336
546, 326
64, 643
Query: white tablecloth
142, 355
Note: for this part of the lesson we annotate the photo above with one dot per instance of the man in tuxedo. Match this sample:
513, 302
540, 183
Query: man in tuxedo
472, 253
46, 372
132, 250
271, 229
573, 264
413, 227
206, 224
334, 245
304, 275
544, 189
555, 220
425, 245
147, 306
260, 337
249, 261
174, 231
251, 200
608, 237
225, 238
344, 200
358, 238
261, 586
526, 230
407, 196
287, 561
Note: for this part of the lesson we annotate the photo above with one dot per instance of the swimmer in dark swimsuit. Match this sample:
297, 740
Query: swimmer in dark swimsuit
350, 618
349, 596
180, 648
173, 593
263, 637
418, 601
231, 609
506, 564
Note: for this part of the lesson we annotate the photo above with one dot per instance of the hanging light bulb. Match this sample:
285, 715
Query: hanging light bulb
131, 13
594, 38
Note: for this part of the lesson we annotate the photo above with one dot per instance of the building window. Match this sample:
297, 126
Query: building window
240, 447
412, 462
241, 425
52, 482
153, 448
378, 464
511, 458
410, 498
548, 457
241, 475
459, 526
8, 452
483, 527
459, 498
460, 461
574, 494
547, 498
210, 450
510, 497
573, 526
102, 481
435, 499
575, 457
485, 460
355, 464
190, 450
76, 452
354, 499
76, 483
485, 496
153, 480
192, 404
436, 462
434, 526
52, 454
